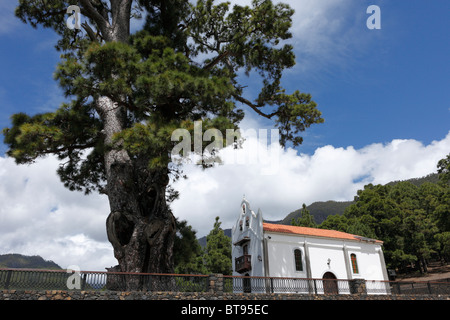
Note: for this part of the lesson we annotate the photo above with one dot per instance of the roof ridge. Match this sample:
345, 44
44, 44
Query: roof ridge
308, 231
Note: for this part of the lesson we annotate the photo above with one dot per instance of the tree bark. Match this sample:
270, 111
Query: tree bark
140, 226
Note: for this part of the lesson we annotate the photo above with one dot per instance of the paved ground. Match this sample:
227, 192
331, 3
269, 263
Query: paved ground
435, 273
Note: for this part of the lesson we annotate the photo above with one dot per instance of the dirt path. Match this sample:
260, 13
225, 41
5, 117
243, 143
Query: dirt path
435, 273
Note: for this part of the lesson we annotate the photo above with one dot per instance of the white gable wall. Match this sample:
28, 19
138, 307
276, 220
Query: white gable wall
272, 253
325, 255
253, 230
280, 255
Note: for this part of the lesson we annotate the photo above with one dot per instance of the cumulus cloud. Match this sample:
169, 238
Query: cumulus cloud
324, 32
328, 174
39, 216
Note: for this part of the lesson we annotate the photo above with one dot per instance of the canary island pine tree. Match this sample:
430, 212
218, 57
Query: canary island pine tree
127, 92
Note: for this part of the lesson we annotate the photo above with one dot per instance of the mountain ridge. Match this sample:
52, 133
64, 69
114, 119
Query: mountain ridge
320, 210
19, 261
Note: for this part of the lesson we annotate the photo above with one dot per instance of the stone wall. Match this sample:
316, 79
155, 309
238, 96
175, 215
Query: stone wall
113, 295
215, 291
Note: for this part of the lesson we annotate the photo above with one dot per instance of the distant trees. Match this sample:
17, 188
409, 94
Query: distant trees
320, 210
188, 254
305, 220
218, 251
444, 169
412, 221
191, 258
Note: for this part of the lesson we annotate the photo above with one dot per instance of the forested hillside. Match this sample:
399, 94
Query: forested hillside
322, 209
411, 217
319, 210
15, 260
432, 178
413, 222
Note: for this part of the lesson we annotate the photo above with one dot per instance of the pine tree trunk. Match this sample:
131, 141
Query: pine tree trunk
140, 226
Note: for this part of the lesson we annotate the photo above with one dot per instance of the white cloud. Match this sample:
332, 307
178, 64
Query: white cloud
325, 33
9, 22
39, 216
329, 174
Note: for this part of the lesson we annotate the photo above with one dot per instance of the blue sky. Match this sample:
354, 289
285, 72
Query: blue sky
384, 95
371, 85
392, 83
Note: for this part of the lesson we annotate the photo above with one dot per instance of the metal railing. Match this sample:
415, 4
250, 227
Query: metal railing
286, 285
32, 279
332, 286
407, 287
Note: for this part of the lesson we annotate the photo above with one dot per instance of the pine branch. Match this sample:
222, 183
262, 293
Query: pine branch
255, 107
91, 12
89, 31
69, 148
217, 60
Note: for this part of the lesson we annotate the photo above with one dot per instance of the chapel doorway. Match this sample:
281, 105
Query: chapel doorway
247, 284
330, 285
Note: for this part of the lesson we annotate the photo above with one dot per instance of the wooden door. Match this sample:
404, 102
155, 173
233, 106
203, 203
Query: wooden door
330, 285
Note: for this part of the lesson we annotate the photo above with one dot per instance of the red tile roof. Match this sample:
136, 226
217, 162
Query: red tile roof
314, 232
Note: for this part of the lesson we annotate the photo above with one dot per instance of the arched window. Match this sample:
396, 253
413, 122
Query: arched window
298, 260
354, 263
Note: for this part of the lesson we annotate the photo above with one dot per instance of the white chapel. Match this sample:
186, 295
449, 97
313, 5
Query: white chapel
262, 249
